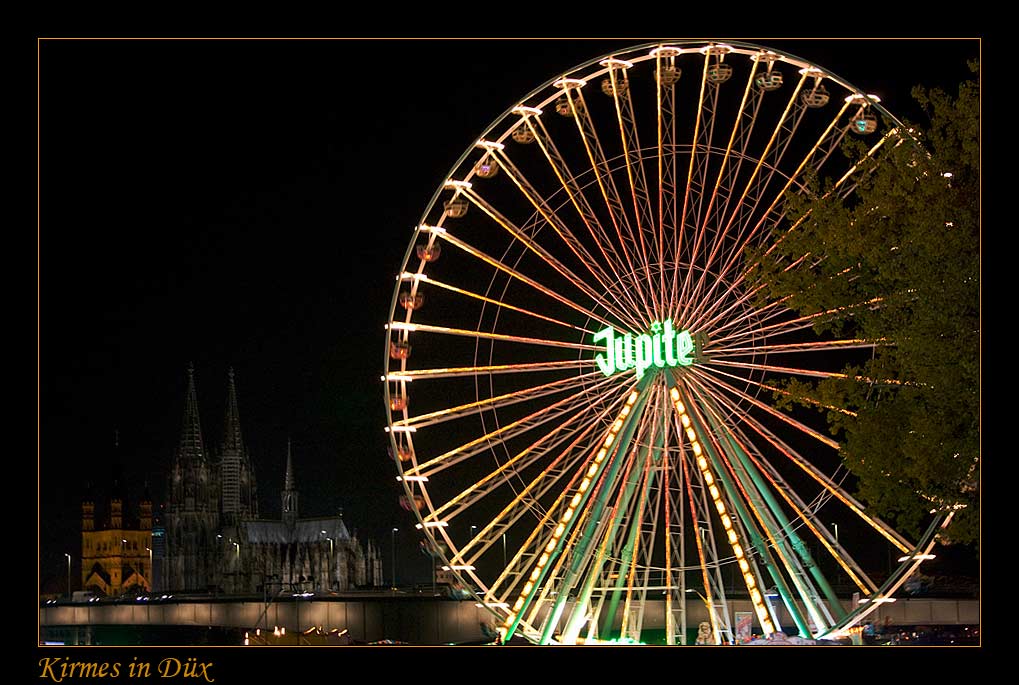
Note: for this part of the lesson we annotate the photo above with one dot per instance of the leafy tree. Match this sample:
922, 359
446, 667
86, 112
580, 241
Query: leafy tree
900, 259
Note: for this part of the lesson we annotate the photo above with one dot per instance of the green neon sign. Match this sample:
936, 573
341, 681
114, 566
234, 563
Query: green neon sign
661, 347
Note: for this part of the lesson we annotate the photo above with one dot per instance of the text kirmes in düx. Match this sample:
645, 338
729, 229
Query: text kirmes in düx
57, 668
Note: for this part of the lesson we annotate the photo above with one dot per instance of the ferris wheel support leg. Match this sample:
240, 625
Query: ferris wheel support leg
796, 542
744, 516
580, 555
579, 614
627, 554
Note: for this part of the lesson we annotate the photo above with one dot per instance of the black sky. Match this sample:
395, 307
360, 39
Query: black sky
247, 203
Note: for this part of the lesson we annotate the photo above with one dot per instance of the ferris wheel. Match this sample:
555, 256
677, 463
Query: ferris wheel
579, 369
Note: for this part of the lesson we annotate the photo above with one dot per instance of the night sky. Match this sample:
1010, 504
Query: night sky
246, 204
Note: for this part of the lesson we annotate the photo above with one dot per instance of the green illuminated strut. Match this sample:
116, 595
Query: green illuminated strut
661, 347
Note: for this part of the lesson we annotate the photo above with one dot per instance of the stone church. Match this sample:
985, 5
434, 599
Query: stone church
116, 551
216, 540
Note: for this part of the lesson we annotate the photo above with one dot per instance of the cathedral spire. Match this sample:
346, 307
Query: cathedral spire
232, 439
288, 479
289, 495
191, 448
237, 477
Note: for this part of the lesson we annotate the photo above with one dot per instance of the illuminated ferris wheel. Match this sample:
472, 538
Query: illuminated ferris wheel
580, 370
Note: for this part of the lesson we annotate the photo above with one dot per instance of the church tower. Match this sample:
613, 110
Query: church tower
193, 506
237, 477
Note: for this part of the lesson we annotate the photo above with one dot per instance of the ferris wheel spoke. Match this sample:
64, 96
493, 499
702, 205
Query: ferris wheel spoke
803, 428
810, 584
666, 76
840, 188
509, 579
766, 367
788, 326
746, 202
823, 480
810, 372
511, 430
844, 188
712, 319
478, 254
443, 330
742, 127
803, 512
578, 200
820, 346
602, 174
678, 294
497, 402
488, 300
561, 227
774, 389
515, 467
455, 372
537, 249
635, 174
502, 476
572, 461
827, 140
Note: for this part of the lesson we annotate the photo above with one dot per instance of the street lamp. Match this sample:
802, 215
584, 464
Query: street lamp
149, 577
504, 550
836, 526
395, 531
68, 574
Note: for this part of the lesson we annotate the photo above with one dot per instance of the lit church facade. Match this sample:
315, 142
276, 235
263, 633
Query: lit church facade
116, 556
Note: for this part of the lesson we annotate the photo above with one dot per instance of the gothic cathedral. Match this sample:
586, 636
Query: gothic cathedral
216, 540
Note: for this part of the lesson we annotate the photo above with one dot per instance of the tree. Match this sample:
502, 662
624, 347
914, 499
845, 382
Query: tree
899, 262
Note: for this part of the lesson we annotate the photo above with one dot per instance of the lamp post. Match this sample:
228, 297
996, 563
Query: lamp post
504, 550
835, 560
473, 528
148, 578
123, 547
68, 574
395, 530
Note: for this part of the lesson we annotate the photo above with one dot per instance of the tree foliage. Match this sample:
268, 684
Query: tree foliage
897, 262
